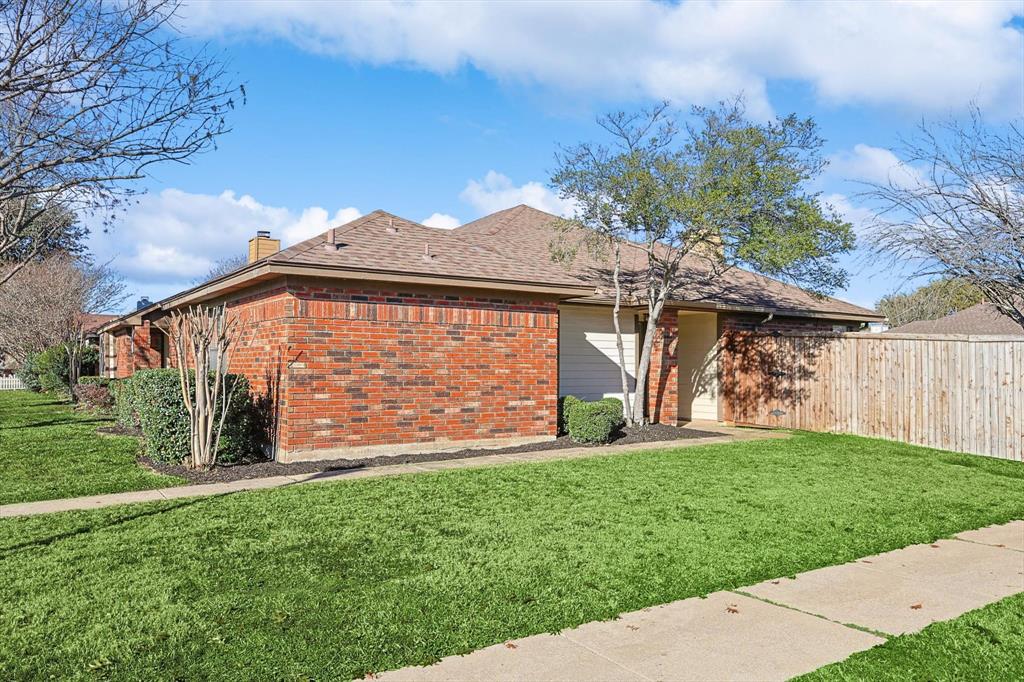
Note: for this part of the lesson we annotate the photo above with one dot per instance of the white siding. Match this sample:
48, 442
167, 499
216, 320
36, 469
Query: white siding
588, 364
698, 366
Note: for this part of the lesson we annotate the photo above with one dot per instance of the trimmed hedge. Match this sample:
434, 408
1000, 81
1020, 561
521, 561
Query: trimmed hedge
151, 400
123, 392
95, 381
593, 422
566, 404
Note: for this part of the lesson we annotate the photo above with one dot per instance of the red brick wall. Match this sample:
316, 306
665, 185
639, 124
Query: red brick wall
136, 350
371, 367
663, 375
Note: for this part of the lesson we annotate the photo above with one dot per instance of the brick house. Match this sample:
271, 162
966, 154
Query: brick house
386, 336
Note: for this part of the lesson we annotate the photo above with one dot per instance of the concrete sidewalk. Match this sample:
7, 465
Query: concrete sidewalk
727, 435
770, 631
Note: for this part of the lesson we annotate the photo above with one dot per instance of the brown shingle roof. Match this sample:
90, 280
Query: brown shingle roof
381, 242
91, 322
527, 233
983, 319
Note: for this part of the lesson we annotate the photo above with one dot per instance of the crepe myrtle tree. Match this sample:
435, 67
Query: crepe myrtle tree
203, 338
956, 207
693, 201
93, 93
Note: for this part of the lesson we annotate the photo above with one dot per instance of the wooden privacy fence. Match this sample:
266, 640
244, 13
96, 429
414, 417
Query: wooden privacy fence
954, 392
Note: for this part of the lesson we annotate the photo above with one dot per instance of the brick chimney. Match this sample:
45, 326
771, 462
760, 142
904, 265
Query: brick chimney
262, 246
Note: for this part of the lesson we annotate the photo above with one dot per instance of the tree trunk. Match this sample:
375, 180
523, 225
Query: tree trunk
627, 411
654, 308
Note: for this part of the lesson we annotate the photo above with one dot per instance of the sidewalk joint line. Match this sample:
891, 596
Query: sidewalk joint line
598, 653
852, 626
989, 544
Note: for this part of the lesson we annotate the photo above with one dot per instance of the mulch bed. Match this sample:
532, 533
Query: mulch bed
652, 433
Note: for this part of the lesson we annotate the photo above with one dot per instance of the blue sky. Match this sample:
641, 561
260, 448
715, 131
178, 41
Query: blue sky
449, 112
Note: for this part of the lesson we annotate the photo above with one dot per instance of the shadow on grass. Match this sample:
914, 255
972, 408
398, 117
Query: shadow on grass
56, 422
11, 550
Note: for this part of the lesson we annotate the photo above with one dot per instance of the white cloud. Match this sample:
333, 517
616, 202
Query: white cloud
497, 192
173, 237
865, 163
924, 55
441, 220
858, 216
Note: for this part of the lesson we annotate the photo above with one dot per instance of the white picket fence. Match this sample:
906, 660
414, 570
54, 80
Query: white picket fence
11, 383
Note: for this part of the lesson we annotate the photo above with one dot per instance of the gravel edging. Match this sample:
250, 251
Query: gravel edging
652, 433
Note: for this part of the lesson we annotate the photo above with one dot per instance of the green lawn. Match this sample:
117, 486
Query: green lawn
986, 644
49, 450
334, 580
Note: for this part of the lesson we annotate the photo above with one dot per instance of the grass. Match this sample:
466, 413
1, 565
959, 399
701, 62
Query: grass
337, 580
48, 450
985, 644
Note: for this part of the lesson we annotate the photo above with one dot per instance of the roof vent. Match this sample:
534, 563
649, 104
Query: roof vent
391, 226
427, 256
332, 243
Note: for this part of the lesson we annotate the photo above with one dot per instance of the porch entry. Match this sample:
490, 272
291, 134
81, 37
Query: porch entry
588, 361
697, 352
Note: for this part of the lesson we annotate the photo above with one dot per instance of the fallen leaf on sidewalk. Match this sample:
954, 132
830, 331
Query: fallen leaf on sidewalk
916, 607
510, 645
1000, 545
632, 627
731, 608
935, 546
776, 582
866, 561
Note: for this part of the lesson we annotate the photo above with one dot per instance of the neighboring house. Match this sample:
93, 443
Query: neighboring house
384, 335
983, 319
91, 326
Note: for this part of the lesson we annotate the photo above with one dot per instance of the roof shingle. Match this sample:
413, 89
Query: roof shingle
382, 242
527, 233
983, 319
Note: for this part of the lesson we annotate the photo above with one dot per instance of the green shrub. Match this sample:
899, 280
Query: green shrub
594, 422
28, 372
50, 370
151, 400
95, 381
93, 396
565, 405
123, 393
53, 368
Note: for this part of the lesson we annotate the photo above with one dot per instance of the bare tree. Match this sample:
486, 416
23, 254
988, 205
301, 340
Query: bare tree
93, 92
48, 303
222, 267
721, 192
958, 209
203, 338
929, 302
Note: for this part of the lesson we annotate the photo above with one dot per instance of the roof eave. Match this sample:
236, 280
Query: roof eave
717, 306
264, 270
